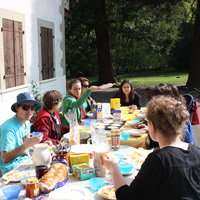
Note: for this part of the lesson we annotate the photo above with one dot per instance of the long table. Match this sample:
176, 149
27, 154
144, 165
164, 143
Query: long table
28, 166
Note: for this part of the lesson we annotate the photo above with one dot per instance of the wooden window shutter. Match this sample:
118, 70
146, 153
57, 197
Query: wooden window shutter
13, 53
47, 53
9, 53
19, 62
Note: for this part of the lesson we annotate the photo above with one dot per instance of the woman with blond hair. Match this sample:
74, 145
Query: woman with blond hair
173, 171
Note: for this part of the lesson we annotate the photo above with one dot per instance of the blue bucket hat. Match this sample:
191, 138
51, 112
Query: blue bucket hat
26, 97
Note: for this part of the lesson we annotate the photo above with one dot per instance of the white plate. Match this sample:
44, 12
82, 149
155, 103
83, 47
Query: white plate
136, 132
70, 192
18, 176
101, 189
90, 115
82, 148
105, 86
125, 107
132, 122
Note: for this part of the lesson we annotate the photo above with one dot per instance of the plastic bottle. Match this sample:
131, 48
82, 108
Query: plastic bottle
115, 139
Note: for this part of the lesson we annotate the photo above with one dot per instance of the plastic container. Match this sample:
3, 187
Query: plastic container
11, 192
125, 168
124, 136
120, 156
36, 133
96, 183
114, 103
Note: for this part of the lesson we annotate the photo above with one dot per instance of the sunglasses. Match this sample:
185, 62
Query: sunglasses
25, 107
86, 86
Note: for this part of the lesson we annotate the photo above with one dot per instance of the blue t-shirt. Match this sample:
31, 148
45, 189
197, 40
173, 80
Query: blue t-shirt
12, 135
188, 133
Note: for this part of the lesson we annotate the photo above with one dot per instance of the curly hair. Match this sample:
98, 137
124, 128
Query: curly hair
168, 115
51, 98
121, 93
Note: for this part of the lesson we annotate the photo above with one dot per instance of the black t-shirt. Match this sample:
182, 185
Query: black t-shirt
167, 174
135, 101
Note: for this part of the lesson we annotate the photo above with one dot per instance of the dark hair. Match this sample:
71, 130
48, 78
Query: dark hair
71, 82
147, 92
51, 98
121, 93
168, 115
83, 79
162, 89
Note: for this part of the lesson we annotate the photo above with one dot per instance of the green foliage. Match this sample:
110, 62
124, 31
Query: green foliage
38, 97
145, 35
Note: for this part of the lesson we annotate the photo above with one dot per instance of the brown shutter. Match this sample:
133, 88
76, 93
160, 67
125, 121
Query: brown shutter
47, 53
8, 53
50, 53
19, 63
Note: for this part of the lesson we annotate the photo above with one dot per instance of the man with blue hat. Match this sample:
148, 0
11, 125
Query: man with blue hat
15, 132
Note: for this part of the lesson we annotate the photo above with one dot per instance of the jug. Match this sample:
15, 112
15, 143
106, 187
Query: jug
41, 155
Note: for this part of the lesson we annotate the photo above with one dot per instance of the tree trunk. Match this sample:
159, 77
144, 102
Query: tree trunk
105, 66
194, 73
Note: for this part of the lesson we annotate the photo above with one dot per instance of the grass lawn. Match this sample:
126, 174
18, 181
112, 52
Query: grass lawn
153, 78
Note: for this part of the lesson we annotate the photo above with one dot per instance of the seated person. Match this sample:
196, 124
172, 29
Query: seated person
171, 91
172, 172
147, 93
127, 94
88, 105
48, 119
74, 99
15, 133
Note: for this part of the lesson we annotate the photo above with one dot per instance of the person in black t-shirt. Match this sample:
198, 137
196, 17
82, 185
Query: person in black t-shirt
173, 171
127, 94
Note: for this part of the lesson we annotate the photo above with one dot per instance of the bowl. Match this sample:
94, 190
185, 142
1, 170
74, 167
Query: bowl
124, 136
36, 133
24, 182
11, 192
125, 168
119, 156
96, 183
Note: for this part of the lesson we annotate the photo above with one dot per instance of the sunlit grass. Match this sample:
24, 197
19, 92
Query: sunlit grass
154, 78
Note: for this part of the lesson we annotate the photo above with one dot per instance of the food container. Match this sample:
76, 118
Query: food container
97, 111
80, 158
11, 192
83, 171
117, 115
32, 187
96, 183
115, 103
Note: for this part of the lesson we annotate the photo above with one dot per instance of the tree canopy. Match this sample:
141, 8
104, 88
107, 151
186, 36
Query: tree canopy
128, 36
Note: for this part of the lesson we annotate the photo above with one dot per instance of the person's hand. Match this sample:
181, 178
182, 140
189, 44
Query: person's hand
94, 88
30, 141
49, 142
144, 127
111, 162
134, 107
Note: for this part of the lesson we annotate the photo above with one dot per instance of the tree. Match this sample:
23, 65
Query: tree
106, 70
194, 73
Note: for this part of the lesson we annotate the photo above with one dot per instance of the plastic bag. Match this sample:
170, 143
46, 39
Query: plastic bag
74, 134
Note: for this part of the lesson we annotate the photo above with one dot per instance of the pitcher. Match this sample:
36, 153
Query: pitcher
41, 154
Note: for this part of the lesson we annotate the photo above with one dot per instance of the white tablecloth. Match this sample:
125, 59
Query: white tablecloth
28, 166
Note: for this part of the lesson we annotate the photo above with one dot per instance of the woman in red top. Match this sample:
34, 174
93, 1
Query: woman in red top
48, 119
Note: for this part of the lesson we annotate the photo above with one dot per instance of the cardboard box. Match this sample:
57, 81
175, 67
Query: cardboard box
117, 115
83, 171
81, 158
97, 111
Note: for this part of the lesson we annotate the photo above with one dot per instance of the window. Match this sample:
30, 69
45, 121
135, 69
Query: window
47, 53
13, 53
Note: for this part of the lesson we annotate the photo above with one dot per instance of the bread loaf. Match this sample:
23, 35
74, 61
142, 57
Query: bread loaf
58, 172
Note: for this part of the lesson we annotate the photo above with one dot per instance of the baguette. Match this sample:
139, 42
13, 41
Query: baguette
58, 172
